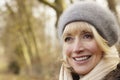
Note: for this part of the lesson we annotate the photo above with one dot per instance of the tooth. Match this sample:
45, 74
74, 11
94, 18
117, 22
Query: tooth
81, 58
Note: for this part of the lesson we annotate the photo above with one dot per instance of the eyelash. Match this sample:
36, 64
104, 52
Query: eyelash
87, 36
67, 39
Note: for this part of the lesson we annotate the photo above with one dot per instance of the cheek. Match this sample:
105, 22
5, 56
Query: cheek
67, 50
93, 47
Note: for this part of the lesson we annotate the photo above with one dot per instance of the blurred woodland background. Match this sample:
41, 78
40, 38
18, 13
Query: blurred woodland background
29, 45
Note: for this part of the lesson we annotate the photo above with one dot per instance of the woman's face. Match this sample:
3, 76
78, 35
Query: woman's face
81, 49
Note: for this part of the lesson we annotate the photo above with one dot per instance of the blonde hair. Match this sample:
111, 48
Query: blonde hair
106, 64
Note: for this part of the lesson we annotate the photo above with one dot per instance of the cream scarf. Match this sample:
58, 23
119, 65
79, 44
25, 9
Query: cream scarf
107, 64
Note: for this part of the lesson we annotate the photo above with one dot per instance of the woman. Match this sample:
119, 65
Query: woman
89, 33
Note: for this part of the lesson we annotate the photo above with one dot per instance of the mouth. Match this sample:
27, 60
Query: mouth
82, 58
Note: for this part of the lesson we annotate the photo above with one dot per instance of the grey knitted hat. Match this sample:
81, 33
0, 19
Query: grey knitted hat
102, 19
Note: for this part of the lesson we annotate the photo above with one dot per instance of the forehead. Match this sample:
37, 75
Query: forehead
77, 27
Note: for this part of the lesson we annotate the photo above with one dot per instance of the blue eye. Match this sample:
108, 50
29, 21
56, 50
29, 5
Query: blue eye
68, 39
87, 36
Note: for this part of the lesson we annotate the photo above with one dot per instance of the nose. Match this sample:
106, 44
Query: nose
78, 47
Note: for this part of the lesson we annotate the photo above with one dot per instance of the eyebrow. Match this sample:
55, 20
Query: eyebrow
66, 34
85, 32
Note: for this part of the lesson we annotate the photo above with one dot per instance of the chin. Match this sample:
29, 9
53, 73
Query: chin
82, 72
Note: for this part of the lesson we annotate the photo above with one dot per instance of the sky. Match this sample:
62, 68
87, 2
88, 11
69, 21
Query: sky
2, 4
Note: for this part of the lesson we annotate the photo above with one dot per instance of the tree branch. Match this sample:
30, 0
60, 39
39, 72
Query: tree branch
112, 5
71, 1
10, 9
48, 3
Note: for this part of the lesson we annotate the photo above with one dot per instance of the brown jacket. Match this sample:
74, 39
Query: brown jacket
113, 75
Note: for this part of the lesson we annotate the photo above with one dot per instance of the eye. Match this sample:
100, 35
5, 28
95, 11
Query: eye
87, 36
68, 39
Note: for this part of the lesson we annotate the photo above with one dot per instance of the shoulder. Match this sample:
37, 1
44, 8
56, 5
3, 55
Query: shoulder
114, 75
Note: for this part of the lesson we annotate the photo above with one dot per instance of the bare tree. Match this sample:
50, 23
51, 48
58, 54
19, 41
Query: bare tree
19, 37
57, 5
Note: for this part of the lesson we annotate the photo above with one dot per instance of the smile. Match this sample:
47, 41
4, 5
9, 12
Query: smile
82, 58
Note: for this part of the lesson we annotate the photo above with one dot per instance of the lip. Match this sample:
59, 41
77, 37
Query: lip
81, 59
